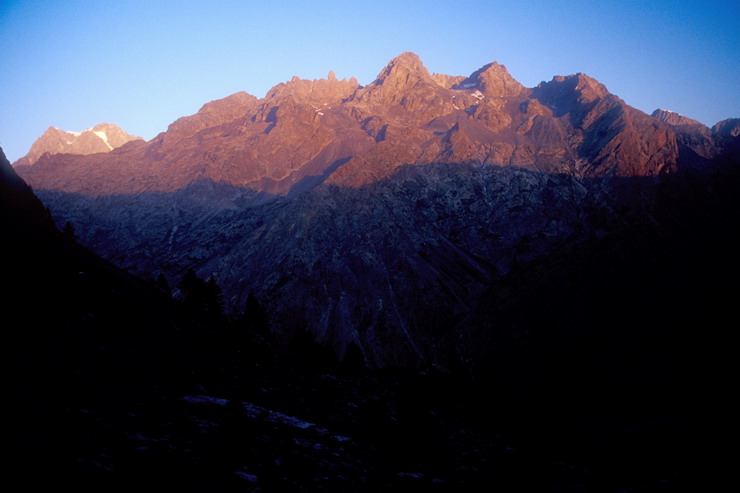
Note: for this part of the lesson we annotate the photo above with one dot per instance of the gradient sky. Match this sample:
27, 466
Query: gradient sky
141, 65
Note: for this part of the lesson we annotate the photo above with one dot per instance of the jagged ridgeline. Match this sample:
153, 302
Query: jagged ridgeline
410, 217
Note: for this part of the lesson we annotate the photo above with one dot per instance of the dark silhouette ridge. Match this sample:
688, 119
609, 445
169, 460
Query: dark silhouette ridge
79, 333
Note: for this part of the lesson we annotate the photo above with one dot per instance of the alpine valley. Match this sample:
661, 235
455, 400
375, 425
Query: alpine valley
428, 283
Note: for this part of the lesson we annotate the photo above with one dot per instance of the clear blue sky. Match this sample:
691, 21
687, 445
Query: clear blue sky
141, 65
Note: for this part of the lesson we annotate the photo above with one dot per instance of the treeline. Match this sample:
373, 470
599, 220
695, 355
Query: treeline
249, 333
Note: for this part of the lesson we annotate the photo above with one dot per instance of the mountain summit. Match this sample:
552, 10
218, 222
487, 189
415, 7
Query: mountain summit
494, 81
673, 118
103, 137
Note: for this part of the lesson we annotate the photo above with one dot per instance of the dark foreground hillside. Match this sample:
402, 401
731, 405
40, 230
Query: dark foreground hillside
605, 370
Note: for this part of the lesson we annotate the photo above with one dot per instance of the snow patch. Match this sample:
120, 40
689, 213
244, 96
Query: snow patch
254, 411
673, 112
205, 399
251, 478
478, 94
104, 137
258, 412
469, 85
410, 475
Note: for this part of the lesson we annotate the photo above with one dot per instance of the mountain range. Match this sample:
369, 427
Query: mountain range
103, 137
380, 215
406, 116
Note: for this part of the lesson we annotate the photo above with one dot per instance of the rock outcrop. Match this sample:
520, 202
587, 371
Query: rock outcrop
673, 118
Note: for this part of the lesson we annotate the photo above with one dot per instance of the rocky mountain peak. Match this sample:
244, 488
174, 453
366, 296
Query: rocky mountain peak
239, 99
103, 137
210, 114
403, 76
727, 128
493, 80
54, 131
406, 69
673, 118
113, 135
566, 94
408, 59
317, 92
585, 87
589, 87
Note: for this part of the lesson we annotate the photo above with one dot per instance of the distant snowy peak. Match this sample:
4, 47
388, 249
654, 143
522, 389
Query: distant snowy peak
103, 137
673, 118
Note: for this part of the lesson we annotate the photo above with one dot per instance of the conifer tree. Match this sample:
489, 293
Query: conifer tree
201, 297
69, 231
254, 317
353, 361
161, 283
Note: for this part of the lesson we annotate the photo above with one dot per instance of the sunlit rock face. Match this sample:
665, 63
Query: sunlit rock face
377, 214
304, 132
103, 137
